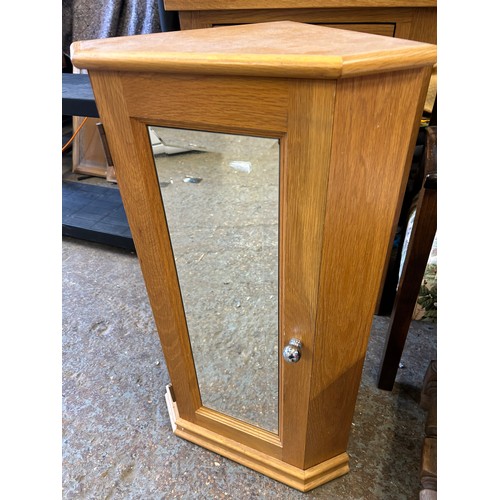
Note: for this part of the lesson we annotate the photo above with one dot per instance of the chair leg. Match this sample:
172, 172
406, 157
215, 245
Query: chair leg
422, 237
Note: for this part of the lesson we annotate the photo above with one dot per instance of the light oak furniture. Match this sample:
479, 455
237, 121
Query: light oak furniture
410, 19
89, 152
345, 108
88, 155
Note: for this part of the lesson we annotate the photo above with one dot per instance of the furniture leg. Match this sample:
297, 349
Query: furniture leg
422, 237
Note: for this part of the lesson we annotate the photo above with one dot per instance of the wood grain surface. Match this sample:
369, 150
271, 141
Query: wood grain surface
345, 148
306, 157
227, 104
278, 49
413, 20
369, 165
289, 4
136, 175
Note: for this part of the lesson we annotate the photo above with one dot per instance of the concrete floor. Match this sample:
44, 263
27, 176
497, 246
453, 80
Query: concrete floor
117, 439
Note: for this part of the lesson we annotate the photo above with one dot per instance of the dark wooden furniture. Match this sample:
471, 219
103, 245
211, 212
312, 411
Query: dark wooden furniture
422, 237
428, 463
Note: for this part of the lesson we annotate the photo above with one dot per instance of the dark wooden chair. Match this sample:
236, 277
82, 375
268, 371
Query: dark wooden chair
428, 462
421, 239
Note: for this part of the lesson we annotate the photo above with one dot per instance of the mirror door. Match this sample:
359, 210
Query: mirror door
231, 251
221, 198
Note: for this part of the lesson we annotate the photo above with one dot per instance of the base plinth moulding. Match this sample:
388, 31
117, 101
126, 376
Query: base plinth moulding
302, 480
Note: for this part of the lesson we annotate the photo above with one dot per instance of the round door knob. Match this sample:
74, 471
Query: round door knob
292, 352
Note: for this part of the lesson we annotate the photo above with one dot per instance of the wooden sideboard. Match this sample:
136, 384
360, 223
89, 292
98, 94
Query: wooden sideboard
410, 19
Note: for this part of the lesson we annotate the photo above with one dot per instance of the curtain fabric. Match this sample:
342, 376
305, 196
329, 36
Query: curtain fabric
91, 19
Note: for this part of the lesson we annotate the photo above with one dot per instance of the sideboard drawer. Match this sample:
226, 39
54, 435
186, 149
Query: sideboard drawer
385, 29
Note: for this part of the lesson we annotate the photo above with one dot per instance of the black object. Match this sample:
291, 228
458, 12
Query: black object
169, 20
89, 212
95, 213
78, 96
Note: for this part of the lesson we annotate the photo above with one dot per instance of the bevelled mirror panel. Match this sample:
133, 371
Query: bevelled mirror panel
221, 198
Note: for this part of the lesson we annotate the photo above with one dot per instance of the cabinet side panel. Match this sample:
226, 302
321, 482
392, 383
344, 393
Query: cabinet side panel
375, 126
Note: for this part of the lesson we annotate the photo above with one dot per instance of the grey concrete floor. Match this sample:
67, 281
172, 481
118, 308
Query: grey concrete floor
117, 441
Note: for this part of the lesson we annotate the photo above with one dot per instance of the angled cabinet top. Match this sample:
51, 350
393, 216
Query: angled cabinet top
276, 49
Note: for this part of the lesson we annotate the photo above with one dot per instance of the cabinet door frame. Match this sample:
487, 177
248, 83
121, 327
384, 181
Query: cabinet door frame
211, 103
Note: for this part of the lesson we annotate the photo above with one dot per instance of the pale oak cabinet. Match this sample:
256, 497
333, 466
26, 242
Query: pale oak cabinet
262, 259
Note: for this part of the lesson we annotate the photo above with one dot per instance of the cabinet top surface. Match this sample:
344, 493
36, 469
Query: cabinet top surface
275, 49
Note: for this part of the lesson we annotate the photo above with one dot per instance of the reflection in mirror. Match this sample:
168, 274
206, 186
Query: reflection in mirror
221, 195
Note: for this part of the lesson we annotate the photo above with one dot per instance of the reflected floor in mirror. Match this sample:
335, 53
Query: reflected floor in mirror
221, 198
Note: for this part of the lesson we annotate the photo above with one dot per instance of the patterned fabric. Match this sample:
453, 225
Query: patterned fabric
91, 19
426, 305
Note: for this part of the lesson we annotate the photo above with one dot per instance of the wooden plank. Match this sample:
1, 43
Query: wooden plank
192, 20
320, 17
424, 25
208, 102
242, 432
417, 256
260, 462
409, 22
428, 466
383, 29
428, 394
